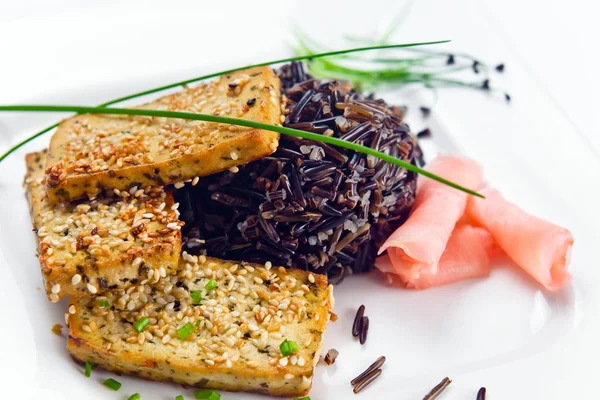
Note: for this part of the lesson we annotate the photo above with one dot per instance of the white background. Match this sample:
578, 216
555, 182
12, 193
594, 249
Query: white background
543, 151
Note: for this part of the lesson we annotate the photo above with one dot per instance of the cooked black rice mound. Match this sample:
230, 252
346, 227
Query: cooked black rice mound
310, 205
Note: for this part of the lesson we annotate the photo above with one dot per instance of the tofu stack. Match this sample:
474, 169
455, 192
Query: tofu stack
109, 237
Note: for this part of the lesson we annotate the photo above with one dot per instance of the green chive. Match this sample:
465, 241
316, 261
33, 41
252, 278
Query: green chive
112, 384
196, 296
103, 303
213, 75
288, 347
247, 123
135, 396
88, 369
211, 285
141, 324
206, 395
302, 398
180, 397
185, 331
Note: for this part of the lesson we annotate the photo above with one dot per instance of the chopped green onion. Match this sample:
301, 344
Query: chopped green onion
112, 384
135, 396
180, 397
206, 395
185, 331
103, 303
247, 123
196, 296
211, 285
288, 347
88, 369
302, 398
141, 324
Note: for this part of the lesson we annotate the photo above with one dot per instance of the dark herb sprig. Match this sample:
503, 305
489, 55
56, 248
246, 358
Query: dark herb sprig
241, 122
216, 74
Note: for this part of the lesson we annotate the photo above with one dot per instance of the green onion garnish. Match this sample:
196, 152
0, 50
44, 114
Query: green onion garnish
250, 124
288, 347
206, 395
135, 396
112, 384
185, 331
103, 303
141, 324
211, 285
180, 397
213, 75
302, 398
196, 296
88, 369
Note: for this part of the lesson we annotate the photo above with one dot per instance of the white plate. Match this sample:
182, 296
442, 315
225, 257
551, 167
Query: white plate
502, 332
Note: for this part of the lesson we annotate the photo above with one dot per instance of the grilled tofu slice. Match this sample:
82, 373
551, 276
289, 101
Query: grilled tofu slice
235, 330
89, 153
101, 244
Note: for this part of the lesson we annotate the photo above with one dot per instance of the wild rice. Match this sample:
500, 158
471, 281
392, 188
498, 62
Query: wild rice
376, 365
364, 330
310, 205
331, 356
438, 389
367, 380
481, 394
356, 326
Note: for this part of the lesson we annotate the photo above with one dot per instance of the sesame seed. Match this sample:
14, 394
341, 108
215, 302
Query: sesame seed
148, 215
173, 225
137, 262
92, 288
283, 361
311, 278
288, 376
56, 288
179, 185
175, 206
72, 309
233, 155
86, 328
301, 361
268, 265
234, 170
53, 297
195, 181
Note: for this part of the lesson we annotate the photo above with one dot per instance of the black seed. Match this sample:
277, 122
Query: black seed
251, 101
507, 97
475, 66
424, 133
425, 111
486, 84
450, 60
500, 67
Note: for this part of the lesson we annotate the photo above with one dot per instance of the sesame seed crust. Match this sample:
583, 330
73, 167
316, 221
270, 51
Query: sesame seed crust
91, 152
108, 242
238, 327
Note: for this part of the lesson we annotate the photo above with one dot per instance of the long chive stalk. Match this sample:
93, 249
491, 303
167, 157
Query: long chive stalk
215, 74
241, 122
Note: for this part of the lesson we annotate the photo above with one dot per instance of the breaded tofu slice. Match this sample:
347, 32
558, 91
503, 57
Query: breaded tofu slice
89, 153
101, 244
226, 338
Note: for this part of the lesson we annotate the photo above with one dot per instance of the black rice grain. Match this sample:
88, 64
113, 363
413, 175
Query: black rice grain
337, 205
376, 365
364, 330
366, 381
356, 326
438, 389
481, 394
